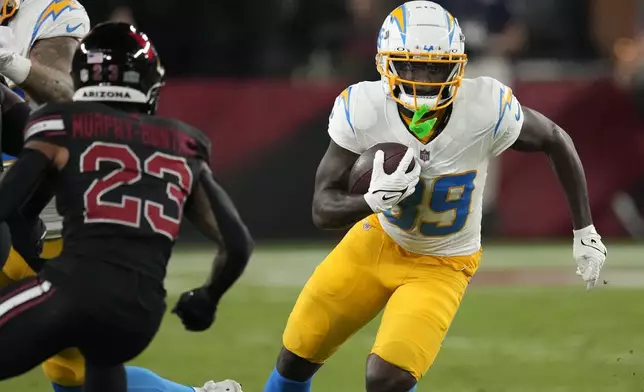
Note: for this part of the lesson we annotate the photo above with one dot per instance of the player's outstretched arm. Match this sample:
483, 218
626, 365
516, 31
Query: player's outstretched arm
538, 133
333, 206
214, 214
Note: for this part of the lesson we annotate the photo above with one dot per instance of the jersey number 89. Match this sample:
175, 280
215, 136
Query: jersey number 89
449, 193
129, 210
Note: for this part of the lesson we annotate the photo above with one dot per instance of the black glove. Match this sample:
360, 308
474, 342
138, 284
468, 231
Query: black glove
196, 309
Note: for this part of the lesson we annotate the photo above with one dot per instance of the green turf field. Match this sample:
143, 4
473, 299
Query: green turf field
506, 337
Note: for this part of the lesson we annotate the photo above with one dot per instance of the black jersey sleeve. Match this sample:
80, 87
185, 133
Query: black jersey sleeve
48, 124
198, 141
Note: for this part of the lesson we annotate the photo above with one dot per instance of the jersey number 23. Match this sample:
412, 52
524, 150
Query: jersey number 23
131, 209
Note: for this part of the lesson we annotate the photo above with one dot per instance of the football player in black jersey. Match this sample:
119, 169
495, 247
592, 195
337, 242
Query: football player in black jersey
123, 179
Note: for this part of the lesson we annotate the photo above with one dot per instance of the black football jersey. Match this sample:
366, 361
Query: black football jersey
126, 181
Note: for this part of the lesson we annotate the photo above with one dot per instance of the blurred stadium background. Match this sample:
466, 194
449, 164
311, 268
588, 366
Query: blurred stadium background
260, 78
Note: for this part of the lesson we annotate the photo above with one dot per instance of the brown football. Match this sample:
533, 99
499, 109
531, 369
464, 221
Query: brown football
360, 176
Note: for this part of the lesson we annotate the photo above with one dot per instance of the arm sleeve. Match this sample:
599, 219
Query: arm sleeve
225, 223
509, 121
341, 128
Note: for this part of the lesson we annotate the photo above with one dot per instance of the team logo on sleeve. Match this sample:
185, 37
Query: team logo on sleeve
53, 11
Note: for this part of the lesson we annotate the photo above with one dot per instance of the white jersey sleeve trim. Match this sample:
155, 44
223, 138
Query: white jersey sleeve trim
48, 124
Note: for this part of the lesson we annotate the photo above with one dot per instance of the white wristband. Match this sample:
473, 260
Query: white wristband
18, 69
585, 232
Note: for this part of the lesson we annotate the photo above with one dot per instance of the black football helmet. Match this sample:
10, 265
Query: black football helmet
116, 63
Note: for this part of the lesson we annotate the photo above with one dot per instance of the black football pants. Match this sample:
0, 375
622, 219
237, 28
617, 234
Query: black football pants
38, 319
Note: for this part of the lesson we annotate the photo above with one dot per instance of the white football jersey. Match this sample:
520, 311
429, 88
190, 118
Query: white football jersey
42, 19
443, 216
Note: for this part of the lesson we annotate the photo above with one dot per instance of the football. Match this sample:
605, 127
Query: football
360, 176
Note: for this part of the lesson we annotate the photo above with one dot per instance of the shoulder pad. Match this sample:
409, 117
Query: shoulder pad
488, 101
202, 142
363, 102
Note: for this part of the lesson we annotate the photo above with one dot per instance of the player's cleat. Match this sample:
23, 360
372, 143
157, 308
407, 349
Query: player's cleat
222, 386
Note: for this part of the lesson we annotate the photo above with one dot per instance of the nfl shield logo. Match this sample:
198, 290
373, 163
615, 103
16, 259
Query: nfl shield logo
424, 155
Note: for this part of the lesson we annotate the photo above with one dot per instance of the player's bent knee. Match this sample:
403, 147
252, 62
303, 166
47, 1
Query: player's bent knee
415, 354
384, 377
66, 369
295, 368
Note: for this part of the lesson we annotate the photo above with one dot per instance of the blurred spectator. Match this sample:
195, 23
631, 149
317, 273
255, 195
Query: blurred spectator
558, 28
628, 204
327, 38
619, 33
123, 14
315, 34
610, 23
359, 51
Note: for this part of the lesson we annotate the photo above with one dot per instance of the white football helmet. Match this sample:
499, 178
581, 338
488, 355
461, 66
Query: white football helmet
9, 9
421, 55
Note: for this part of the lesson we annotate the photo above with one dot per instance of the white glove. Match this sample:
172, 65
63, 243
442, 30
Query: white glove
12, 65
387, 190
590, 254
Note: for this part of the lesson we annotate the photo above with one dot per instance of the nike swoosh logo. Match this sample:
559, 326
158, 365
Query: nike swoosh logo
71, 29
386, 196
594, 247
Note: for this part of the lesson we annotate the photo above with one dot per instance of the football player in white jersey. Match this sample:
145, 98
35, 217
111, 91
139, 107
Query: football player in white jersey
413, 252
38, 39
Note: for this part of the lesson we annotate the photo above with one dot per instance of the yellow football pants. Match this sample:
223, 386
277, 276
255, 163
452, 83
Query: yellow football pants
68, 367
365, 273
